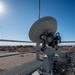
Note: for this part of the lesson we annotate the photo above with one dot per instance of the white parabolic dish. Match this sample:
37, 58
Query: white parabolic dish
40, 26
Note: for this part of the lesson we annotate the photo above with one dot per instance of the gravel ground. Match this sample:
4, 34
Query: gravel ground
13, 61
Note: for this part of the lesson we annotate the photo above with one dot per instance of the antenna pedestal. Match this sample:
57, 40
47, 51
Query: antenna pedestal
48, 61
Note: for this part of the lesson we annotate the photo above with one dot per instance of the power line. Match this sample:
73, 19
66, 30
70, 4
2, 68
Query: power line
4, 40
67, 41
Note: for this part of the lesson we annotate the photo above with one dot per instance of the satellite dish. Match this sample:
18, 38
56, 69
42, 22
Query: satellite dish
40, 26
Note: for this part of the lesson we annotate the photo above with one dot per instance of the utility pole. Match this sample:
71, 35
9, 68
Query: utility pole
37, 44
39, 9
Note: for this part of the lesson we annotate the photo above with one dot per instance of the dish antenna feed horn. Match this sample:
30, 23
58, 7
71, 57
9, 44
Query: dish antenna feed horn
44, 31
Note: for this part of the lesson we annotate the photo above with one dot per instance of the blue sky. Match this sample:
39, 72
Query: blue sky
19, 15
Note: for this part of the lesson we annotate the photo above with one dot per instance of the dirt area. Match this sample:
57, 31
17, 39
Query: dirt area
13, 61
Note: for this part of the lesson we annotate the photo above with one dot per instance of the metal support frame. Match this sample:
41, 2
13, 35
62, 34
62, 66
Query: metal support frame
37, 51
